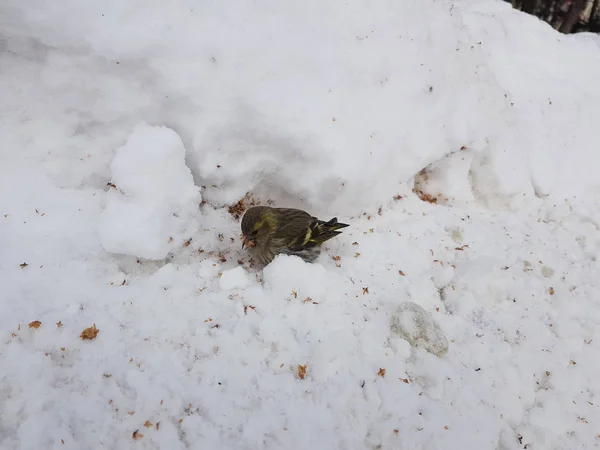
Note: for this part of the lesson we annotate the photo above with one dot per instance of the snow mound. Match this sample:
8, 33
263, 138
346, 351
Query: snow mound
413, 323
288, 273
152, 203
548, 127
234, 279
326, 104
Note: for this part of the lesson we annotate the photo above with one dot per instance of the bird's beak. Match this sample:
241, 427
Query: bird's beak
247, 242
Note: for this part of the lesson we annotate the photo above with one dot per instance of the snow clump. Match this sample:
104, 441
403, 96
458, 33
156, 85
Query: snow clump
152, 203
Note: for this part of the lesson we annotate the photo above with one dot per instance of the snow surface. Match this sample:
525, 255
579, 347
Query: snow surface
339, 108
234, 279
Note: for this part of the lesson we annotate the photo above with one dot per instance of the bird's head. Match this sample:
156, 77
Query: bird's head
256, 220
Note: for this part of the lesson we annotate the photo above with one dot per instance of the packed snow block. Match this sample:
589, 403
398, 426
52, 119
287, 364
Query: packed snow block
152, 205
413, 323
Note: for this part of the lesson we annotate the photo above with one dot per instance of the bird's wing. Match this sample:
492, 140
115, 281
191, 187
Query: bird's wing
293, 228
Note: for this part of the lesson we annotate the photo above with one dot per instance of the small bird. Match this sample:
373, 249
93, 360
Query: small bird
268, 232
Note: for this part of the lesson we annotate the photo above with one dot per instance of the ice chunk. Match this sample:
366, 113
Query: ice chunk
234, 279
413, 323
152, 204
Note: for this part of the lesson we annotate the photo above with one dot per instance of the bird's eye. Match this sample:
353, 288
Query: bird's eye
251, 234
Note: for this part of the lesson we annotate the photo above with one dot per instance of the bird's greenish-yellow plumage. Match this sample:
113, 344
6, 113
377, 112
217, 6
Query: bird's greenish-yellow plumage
270, 231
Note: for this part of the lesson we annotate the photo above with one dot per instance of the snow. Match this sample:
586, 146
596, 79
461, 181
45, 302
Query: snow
234, 279
153, 204
127, 130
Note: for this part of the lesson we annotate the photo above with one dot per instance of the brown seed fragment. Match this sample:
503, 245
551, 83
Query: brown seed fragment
89, 333
426, 197
301, 371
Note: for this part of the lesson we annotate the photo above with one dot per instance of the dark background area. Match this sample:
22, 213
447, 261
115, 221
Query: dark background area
567, 16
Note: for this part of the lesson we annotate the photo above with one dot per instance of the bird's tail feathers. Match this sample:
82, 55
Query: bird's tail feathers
323, 231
